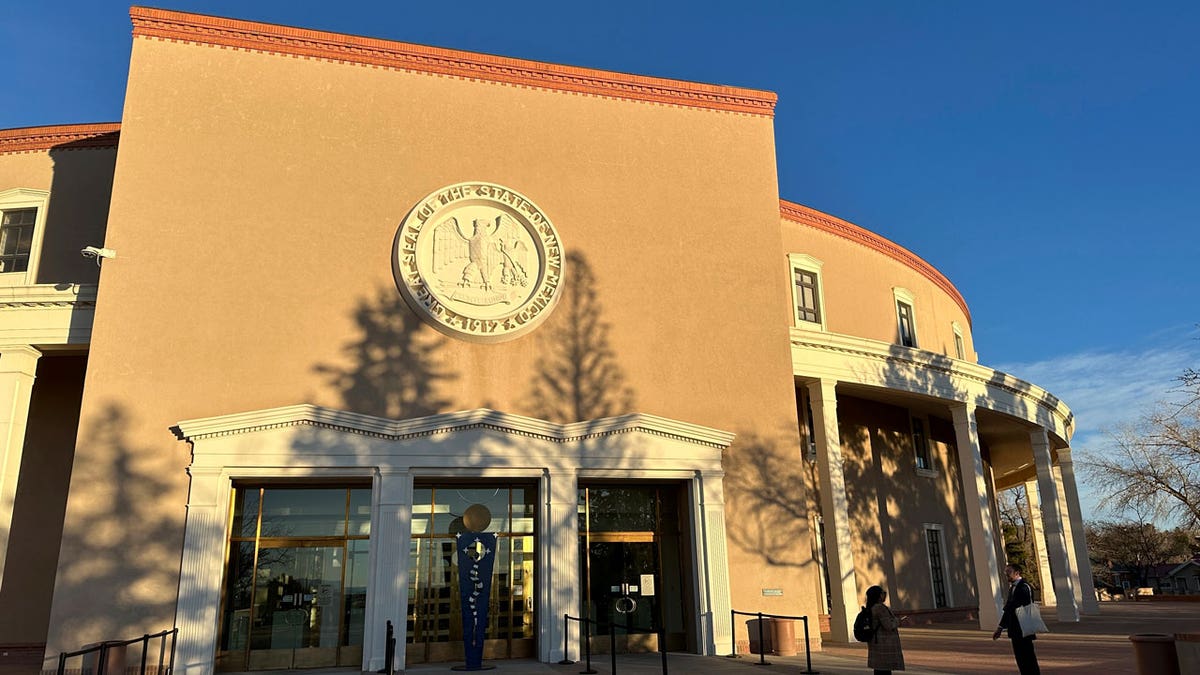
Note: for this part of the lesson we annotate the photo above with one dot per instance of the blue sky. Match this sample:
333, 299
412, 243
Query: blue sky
1044, 156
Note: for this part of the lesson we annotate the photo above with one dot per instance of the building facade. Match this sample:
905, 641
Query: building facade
344, 295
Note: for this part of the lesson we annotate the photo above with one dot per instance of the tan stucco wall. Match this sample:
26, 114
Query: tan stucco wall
890, 502
79, 181
254, 223
859, 300
41, 498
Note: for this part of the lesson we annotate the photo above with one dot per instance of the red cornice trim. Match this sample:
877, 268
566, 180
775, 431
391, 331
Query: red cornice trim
33, 139
804, 215
264, 37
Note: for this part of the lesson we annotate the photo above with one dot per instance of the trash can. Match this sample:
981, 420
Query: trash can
756, 628
1187, 648
783, 637
1154, 654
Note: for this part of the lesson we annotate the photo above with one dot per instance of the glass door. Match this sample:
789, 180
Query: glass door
434, 626
631, 568
622, 576
297, 603
296, 579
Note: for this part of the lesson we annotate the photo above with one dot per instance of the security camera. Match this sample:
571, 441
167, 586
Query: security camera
97, 253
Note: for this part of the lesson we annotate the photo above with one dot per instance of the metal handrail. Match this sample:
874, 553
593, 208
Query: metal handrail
104, 647
762, 656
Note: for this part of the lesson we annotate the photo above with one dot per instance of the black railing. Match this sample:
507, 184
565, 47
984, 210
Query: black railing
762, 644
115, 650
612, 642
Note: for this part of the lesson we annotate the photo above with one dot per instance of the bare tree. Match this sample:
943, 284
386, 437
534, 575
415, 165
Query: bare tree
1136, 546
1154, 466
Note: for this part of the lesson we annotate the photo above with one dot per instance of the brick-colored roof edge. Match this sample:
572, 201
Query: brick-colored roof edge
804, 215
264, 37
33, 139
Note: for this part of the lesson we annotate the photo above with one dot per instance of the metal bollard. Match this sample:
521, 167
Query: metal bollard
612, 644
762, 644
587, 647
807, 652
566, 659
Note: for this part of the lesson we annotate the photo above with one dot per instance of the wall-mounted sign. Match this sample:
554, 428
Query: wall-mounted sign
772, 591
478, 261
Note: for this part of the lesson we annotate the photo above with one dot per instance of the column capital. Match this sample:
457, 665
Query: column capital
1064, 456
19, 359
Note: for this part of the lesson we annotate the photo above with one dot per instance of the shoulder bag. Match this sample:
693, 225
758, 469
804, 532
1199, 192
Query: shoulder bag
1029, 617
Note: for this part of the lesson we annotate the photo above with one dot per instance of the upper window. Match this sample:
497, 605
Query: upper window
906, 321
923, 457
22, 220
808, 304
16, 238
960, 349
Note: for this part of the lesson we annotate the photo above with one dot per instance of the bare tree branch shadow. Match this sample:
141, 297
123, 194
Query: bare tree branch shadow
767, 489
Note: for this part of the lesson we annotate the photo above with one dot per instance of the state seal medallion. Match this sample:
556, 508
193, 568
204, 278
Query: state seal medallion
478, 261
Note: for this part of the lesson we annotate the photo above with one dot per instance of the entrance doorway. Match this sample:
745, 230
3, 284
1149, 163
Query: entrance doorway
296, 578
434, 627
633, 573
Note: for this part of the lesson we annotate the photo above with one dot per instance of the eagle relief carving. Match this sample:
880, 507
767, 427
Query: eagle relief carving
489, 259
478, 261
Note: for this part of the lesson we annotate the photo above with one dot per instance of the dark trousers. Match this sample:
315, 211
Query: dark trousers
1026, 658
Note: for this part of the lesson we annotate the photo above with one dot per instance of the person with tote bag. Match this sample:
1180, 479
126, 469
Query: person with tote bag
1020, 601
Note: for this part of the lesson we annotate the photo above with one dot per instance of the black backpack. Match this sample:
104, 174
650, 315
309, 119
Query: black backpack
864, 628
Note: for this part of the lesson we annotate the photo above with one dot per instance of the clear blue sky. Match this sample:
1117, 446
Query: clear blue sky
1044, 156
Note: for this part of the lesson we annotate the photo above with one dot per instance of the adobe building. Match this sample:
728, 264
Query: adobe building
335, 290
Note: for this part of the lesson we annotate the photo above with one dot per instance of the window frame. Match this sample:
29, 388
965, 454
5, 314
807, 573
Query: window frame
941, 530
960, 342
922, 452
807, 263
26, 198
905, 297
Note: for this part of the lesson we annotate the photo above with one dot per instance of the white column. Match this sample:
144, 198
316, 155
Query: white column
712, 556
979, 515
1056, 544
559, 583
1087, 589
18, 367
1039, 542
838, 536
201, 570
387, 597
1068, 537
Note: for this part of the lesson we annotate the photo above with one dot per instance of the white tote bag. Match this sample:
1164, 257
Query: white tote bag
1030, 619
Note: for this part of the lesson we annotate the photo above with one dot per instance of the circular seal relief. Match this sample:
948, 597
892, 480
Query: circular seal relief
478, 261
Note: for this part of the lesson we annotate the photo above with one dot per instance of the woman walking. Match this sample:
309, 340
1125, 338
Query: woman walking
884, 653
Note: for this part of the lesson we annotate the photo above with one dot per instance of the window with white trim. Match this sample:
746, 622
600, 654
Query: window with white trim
906, 320
808, 301
960, 347
922, 455
935, 546
22, 221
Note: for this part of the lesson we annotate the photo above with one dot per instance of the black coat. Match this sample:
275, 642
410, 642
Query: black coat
1019, 595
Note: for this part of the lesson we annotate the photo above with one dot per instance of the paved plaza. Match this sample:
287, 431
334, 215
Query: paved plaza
1098, 644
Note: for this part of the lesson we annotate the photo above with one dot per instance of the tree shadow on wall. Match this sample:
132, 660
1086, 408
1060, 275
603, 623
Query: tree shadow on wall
120, 551
578, 377
392, 368
767, 486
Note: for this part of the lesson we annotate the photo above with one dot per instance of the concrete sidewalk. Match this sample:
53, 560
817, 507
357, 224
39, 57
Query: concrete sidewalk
1097, 644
